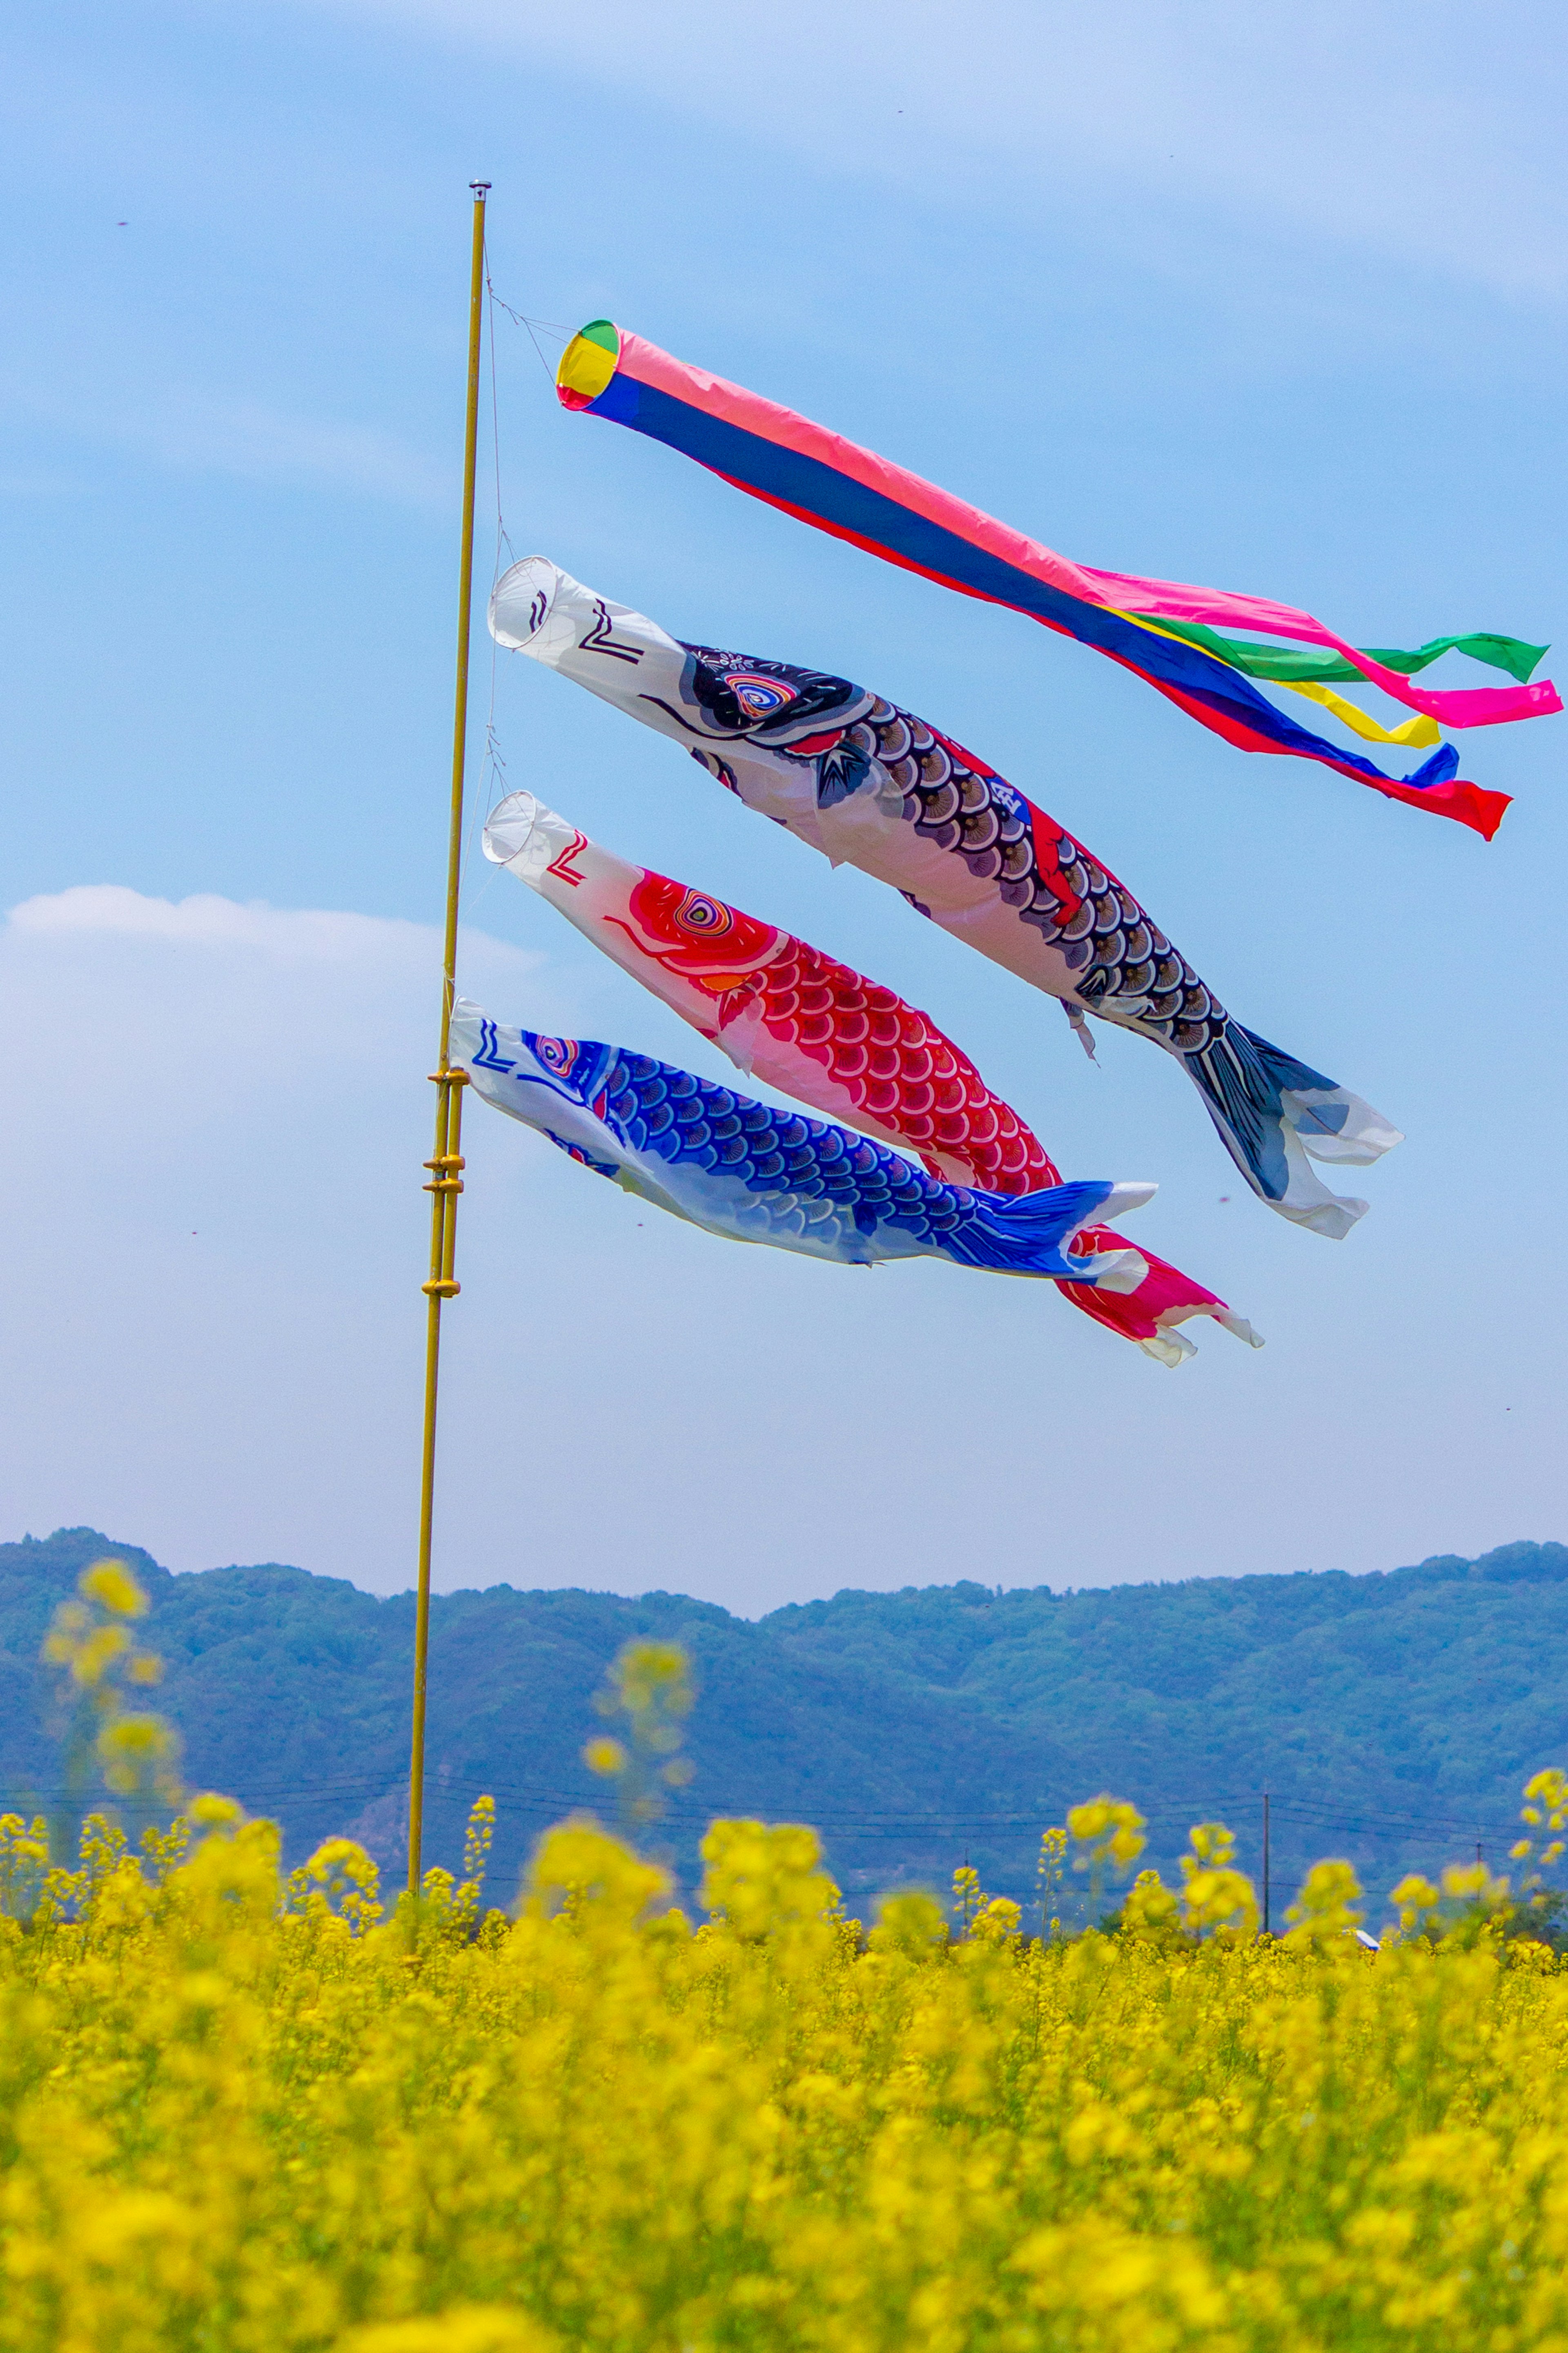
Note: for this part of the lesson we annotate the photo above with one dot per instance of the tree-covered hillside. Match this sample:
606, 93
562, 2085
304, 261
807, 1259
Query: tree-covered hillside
1392, 1717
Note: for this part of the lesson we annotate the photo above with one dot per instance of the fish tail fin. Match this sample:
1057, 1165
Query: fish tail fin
1028, 1233
1272, 1112
1170, 1346
1150, 1311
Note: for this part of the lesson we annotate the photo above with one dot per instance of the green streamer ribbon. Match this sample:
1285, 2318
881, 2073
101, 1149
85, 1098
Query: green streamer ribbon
1296, 666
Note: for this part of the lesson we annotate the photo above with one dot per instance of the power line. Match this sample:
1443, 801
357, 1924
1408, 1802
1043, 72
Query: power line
954, 1822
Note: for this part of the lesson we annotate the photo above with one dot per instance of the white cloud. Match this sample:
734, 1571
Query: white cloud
110, 910
213, 1331
251, 1028
189, 966
1412, 132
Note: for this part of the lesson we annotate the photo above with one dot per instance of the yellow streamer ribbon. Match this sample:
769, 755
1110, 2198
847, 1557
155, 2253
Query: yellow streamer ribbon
1421, 730
1417, 731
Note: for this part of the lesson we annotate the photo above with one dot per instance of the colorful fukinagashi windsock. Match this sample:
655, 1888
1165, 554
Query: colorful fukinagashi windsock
755, 1175
786, 1013
1163, 631
873, 786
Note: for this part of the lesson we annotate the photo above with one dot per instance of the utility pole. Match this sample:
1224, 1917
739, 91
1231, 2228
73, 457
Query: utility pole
1266, 1929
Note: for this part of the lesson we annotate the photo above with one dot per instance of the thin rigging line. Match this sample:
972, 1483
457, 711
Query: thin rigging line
492, 760
520, 319
501, 538
493, 754
493, 780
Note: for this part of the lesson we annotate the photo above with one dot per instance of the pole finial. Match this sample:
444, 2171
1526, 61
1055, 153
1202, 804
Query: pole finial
481, 189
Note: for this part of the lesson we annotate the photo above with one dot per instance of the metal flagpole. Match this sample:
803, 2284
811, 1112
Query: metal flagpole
446, 1182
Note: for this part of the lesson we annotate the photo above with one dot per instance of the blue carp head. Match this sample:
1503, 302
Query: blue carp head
554, 1084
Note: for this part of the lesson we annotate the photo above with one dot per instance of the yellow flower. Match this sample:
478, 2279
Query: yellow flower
137, 1752
1416, 1896
210, 1811
1111, 1831
1150, 1905
912, 1923
761, 1878
462, 2328
1326, 1905
577, 1865
111, 1583
1217, 1897
997, 1919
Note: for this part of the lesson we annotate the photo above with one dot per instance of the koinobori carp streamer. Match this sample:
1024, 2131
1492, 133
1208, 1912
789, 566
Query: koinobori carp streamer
1162, 630
786, 1013
873, 786
752, 1174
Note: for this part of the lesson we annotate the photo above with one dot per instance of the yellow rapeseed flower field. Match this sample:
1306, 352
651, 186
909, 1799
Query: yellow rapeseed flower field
243, 2112
247, 2113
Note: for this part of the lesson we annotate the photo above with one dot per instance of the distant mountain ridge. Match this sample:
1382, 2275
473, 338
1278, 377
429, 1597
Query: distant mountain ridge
1393, 1716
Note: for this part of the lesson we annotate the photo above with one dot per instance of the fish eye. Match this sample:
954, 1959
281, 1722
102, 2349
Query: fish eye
699, 914
759, 698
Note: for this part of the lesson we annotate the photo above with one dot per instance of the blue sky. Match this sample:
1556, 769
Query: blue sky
1197, 290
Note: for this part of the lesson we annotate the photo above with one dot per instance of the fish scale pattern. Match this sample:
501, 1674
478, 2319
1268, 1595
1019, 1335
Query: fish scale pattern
1121, 960
1122, 964
901, 1071
898, 1068
680, 1117
806, 1172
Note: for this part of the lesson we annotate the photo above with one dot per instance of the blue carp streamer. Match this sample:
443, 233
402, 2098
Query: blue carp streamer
743, 1170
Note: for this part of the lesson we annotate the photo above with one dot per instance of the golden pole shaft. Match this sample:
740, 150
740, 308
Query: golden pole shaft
446, 1183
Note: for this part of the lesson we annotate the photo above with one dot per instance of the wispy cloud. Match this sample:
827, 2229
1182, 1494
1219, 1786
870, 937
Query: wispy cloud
375, 948
1409, 131
214, 1334
110, 910
191, 430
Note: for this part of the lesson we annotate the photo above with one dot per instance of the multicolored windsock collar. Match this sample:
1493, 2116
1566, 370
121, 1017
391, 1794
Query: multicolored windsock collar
588, 363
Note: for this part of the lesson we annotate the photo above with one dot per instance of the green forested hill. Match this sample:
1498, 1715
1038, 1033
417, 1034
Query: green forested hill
1393, 1717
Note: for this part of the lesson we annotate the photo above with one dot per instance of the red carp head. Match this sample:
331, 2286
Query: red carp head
697, 936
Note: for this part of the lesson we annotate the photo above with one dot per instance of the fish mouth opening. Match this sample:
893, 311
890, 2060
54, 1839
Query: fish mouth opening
510, 827
522, 600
